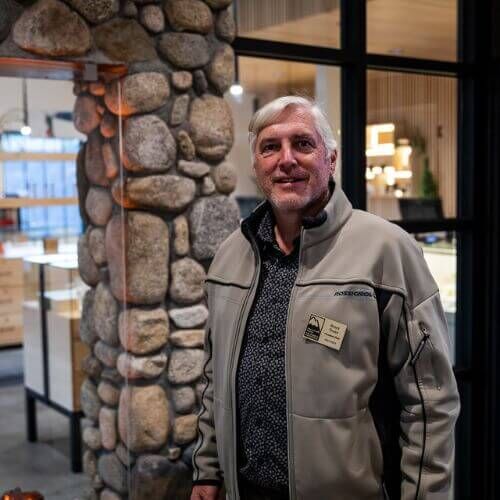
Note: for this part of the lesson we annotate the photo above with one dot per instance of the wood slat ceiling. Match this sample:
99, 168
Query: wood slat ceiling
425, 29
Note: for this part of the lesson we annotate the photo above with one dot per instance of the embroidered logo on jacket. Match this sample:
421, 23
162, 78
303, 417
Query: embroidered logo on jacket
361, 292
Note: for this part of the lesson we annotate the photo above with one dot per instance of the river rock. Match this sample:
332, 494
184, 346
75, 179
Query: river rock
89, 400
89, 463
86, 265
212, 127
105, 312
107, 426
144, 280
186, 146
185, 366
143, 419
182, 80
50, 28
140, 93
143, 330
96, 245
107, 494
130, 9
87, 330
200, 82
218, 4
164, 192
184, 399
184, 50
220, 71
108, 125
189, 15
106, 354
207, 186
114, 39
174, 453
181, 236
111, 375
225, 177
211, 221
112, 167
195, 169
97, 88
189, 317
148, 145
155, 476
82, 183
134, 367
113, 472
92, 438
179, 110
152, 18
188, 338
85, 115
92, 366
126, 458
185, 429
187, 283
96, 11
108, 393
99, 205
225, 26
94, 162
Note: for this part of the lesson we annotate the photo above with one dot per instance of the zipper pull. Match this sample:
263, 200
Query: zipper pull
421, 344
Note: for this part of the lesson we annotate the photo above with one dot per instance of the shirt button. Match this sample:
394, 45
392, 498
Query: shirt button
258, 422
258, 380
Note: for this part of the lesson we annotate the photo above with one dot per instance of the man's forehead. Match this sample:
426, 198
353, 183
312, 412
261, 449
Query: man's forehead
290, 122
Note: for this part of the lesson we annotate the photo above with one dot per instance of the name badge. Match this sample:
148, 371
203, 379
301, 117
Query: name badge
325, 331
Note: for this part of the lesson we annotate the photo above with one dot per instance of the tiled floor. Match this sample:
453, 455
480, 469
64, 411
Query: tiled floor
43, 466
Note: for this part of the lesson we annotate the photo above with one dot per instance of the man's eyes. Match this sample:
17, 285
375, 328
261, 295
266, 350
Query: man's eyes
304, 144
299, 144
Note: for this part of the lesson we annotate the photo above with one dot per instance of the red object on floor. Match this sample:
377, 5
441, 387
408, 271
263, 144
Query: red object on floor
17, 494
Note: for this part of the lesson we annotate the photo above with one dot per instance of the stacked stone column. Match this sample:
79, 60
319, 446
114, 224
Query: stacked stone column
155, 200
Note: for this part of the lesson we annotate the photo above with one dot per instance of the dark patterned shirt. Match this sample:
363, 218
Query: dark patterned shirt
261, 383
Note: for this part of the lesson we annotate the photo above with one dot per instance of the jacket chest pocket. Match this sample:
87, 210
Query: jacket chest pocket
334, 346
224, 303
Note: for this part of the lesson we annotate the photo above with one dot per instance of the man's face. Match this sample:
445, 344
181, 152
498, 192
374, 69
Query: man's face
291, 164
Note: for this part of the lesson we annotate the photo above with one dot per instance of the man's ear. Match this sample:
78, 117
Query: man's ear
333, 161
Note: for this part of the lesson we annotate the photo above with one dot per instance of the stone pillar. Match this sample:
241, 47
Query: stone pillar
156, 219
155, 202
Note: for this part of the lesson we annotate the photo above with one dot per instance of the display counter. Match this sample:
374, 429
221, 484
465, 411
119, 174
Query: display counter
53, 351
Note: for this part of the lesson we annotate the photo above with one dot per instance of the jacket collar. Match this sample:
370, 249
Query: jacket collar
316, 229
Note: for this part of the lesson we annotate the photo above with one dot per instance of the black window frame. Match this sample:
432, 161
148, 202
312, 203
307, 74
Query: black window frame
476, 224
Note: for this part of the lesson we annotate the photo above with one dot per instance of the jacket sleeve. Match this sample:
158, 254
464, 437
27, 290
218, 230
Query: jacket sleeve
418, 353
206, 468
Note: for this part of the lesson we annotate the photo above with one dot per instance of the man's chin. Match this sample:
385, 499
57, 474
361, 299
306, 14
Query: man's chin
289, 204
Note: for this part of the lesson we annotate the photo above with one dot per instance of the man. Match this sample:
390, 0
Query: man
328, 371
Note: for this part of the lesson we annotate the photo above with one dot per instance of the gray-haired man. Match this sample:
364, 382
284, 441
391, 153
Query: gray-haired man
328, 364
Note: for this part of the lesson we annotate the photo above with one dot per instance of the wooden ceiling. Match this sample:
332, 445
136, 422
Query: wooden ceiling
424, 29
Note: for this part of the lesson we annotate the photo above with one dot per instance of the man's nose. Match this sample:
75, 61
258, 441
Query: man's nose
287, 158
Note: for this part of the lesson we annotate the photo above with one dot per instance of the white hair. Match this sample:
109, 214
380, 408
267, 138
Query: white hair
268, 114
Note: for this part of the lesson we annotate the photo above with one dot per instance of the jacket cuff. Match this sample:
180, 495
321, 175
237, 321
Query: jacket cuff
208, 482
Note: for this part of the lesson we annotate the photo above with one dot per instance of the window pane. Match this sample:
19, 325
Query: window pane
264, 80
426, 30
411, 145
440, 253
315, 22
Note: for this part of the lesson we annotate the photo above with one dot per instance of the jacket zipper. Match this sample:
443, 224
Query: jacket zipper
413, 361
243, 315
291, 474
421, 344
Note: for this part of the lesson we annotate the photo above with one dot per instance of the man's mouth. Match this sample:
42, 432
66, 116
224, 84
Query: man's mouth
289, 180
